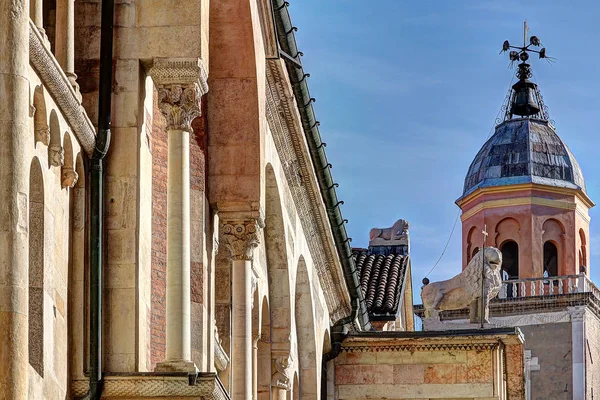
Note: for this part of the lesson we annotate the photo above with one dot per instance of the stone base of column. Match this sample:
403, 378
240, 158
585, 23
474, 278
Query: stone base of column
176, 366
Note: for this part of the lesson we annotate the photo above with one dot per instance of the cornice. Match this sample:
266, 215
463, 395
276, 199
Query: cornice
525, 186
57, 84
519, 201
376, 347
292, 148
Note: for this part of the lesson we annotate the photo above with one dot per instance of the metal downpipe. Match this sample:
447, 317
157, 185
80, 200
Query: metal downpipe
97, 199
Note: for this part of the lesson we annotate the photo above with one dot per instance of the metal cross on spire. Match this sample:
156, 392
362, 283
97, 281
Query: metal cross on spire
482, 310
521, 53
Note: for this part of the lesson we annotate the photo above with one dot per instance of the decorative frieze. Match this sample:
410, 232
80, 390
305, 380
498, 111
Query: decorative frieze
420, 347
240, 238
284, 371
59, 87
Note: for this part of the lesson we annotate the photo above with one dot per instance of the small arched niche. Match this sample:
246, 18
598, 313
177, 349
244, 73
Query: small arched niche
510, 258
56, 154
40, 118
550, 259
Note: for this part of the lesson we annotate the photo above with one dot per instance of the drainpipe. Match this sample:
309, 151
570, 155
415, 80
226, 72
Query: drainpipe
96, 194
338, 335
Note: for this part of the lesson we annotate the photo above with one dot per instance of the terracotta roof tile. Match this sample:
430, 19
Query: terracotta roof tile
381, 280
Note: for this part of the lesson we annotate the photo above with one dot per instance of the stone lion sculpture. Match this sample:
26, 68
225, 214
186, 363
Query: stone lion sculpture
398, 231
465, 288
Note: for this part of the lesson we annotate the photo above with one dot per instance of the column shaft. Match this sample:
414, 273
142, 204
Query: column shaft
178, 247
14, 182
65, 36
241, 353
36, 10
255, 368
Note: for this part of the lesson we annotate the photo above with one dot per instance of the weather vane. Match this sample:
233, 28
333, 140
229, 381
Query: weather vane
522, 53
525, 99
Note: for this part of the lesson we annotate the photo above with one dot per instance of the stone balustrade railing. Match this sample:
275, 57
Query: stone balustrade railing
547, 286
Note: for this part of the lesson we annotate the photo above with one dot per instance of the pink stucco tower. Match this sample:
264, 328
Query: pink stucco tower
526, 187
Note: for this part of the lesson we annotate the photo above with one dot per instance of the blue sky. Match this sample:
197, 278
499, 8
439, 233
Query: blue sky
407, 92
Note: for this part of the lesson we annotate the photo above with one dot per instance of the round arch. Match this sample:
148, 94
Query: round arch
470, 244
278, 270
40, 118
510, 258
55, 149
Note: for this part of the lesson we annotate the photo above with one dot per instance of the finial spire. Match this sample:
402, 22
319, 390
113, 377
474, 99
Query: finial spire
525, 99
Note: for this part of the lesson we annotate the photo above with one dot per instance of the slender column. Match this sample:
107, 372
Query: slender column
255, 339
180, 105
282, 379
240, 237
65, 37
578, 351
36, 11
14, 181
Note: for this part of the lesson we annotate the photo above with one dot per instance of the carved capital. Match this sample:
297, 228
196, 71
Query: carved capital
240, 238
282, 378
179, 104
181, 83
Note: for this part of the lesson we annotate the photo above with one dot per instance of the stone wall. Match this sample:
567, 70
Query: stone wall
551, 344
592, 355
442, 367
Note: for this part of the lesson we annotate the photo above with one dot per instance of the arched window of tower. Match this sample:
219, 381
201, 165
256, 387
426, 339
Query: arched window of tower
582, 250
510, 258
550, 259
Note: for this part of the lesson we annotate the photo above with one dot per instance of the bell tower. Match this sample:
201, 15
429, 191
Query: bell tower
526, 186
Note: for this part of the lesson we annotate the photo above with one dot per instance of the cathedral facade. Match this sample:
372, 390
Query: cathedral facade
169, 223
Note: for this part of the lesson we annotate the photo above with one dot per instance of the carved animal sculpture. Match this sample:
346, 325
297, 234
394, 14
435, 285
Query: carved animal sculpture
465, 288
398, 231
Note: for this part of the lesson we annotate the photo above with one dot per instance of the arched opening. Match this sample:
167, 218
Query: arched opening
295, 395
475, 251
550, 259
49, 16
36, 267
305, 333
470, 244
56, 155
40, 118
553, 231
68, 175
582, 251
510, 258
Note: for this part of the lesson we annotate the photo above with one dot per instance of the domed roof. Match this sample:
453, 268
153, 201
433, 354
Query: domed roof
524, 150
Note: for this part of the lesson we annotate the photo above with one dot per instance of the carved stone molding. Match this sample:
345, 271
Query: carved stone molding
240, 238
56, 155
170, 71
57, 84
282, 378
180, 105
289, 139
577, 313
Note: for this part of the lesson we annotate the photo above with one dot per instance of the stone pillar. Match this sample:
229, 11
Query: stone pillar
36, 11
17, 143
240, 237
255, 339
578, 351
65, 37
180, 104
282, 382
